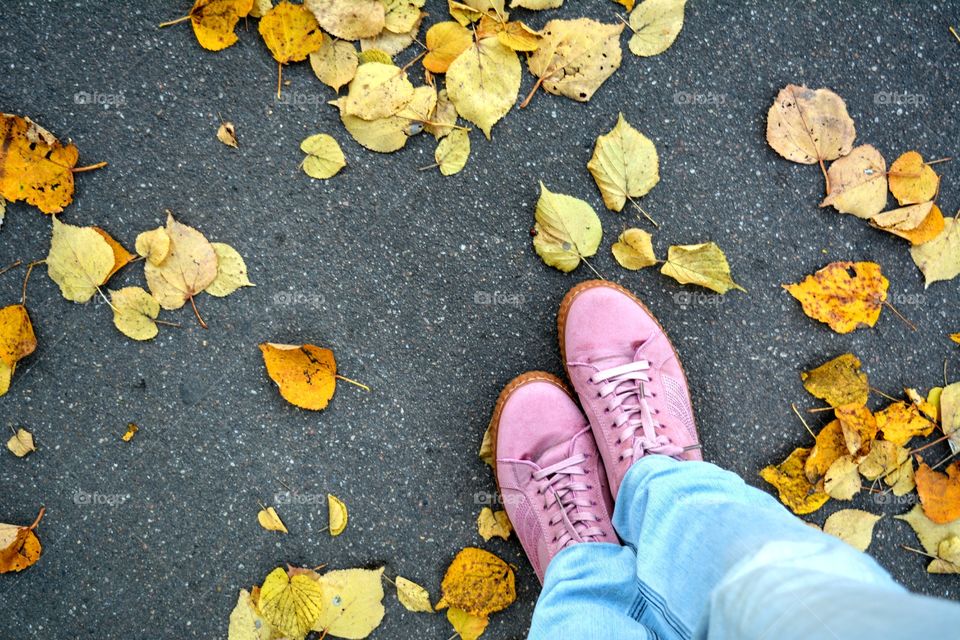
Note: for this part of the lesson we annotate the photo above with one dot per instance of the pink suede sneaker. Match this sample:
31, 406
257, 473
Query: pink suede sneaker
548, 469
628, 377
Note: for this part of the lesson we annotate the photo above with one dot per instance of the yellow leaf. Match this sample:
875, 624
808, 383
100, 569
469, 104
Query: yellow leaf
808, 126
452, 152
517, 36
121, 256
575, 57
829, 447
490, 524
154, 245
34, 166
627, 4
290, 32
134, 312
188, 269
900, 422
884, 458
567, 230
270, 520
939, 259
700, 264
842, 480
412, 596
858, 183
955, 337
378, 91
903, 481
246, 623
21, 443
929, 533
948, 556
374, 55
306, 374
467, 626
853, 526
486, 448
402, 15
337, 515
353, 603
213, 21
858, 425
839, 381
917, 223
260, 8
227, 134
17, 339
445, 42
634, 249
390, 134
231, 271
655, 25
19, 546
335, 63
478, 582
624, 165
843, 295
392, 43
538, 5
443, 118
80, 260
131, 431
483, 83
912, 181
349, 19
796, 492
324, 156
292, 604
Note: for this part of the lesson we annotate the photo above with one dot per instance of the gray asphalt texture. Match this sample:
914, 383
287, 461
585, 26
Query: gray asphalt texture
390, 267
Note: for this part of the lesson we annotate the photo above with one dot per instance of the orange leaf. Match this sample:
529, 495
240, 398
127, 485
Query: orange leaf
121, 257
17, 341
859, 427
19, 546
939, 493
213, 21
306, 374
34, 166
844, 295
829, 447
796, 491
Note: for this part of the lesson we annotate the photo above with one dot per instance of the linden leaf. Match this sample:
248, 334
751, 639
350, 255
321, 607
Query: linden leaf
390, 134
305, 374
843, 295
392, 43
213, 21
452, 152
17, 341
900, 422
246, 623
270, 520
912, 181
939, 492
19, 546
291, 32
655, 25
188, 269
154, 245
21, 443
445, 42
883, 461
517, 35
567, 230
858, 425
853, 526
808, 126
324, 156
634, 249
478, 582
467, 625
349, 19
939, 259
700, 264
575, 57
231, 271
624, 165
337, 515
335, 63
842, 480
917, 223
830, 446
443, 118
929, 533
227, 134
483, 83
377, 91
839, 381
796, 492
135, 312
412, 596
79, 261
402, 15
34, 166
490, 524
292, 604
353, 603
858, 183
948, 556
535, 5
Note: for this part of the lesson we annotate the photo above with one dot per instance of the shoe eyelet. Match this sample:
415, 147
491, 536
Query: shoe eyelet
593, 503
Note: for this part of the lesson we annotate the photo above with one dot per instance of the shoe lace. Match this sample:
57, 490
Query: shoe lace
561, 485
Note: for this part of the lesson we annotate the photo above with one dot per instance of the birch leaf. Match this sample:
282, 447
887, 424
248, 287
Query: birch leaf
353, 603
135, 312
939, 259
918, 223
290, 32
324, 158
79, 261
231, 271
912, 180
335, 63
445, 42
349, 19
453, 152
853, 526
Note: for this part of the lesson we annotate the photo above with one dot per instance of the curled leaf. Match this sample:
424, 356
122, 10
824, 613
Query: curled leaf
701, 264
337, 515
858, 183
270, 520
21, 443
412, 596
490, 524
917, 223
634, 249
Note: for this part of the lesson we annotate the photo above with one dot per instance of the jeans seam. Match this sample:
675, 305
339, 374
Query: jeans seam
651, 597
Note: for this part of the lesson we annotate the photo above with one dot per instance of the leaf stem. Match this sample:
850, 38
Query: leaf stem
523, 105
26, 277
196, 312
39, 518
10, 266
805, 425
912, 326
170, 23
351, 381
89, 167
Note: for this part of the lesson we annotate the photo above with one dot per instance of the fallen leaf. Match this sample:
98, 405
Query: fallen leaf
843, 295
948, 399
353, 603
478, 582
21, 443
536, 5
928, 532
290, 32
402, 15
377, 91
188, 269
135, 312
231, 271
306, 374
154, 245
213, 21
19, 546
808, 126
830, 445
796, 492
928, 409
955, 337
390, 134
349, 19
131, 431
467, 625
324, 156
79, 261
838, 381
905, 481
445, 42
624, 165
655, 25
412, 596
260, 8
270, 520
121, 257
567, 230
575, 57
858, 425
883, 459
443, 118
948, 556
939, 492
227, 134
516, 35
483, 83
858, 183
335, 63
912, 180
392, 43
853, 526
917, 223
701, 264
842, 480
490, 524
246, 623
337, 515
17, 341
939, 259
486, 448
292, 604
34, 166
452, 152
900, 422
634, 249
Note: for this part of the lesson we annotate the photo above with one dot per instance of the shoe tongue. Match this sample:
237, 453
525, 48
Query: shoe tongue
560, 451
609, 360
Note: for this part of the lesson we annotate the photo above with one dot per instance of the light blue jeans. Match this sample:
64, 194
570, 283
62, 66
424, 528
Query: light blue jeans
707, 556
